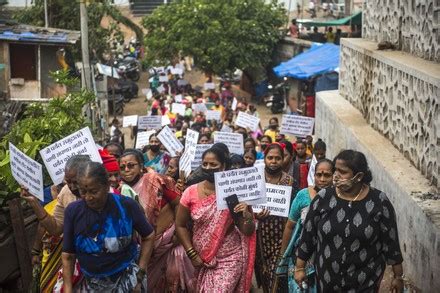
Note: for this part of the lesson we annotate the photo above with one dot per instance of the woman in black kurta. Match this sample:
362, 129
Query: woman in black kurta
351, 231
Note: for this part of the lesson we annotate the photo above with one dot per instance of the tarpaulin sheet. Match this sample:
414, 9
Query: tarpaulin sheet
319, 59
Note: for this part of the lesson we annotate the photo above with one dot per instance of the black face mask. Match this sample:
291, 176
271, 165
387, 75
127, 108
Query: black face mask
273, 171
154, 148
208, 174
273, 127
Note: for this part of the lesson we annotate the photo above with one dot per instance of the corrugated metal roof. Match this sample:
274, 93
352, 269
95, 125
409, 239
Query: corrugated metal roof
34, 34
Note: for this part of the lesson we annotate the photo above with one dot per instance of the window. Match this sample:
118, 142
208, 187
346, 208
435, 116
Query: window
23, 60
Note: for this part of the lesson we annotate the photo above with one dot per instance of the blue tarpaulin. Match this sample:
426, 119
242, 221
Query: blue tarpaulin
319, 59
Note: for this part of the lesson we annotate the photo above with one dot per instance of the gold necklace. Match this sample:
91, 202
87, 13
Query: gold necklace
354, 199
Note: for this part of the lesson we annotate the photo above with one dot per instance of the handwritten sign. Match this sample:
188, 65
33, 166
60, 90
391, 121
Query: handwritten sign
148, 93
131, 120
200, 107
277, 200
182, 82
226, 128
163, 78
166, 120
297, 125
190, 151
209, 86
234, 104
177, 108
200, 149
176, 71
150, 122
143, 138
247, 183
169, 141
246, 120
26, 171
178, 98
213, 115
56, 155
160, 89
234, 141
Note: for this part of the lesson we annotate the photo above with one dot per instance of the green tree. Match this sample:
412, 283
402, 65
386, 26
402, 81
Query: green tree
221, 35
65, 15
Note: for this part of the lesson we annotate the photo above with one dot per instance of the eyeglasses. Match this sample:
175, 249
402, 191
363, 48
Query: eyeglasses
129, 166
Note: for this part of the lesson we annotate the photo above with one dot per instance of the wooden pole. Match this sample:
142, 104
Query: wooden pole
21, 243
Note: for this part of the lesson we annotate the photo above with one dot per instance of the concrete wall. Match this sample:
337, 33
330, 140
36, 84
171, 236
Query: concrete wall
342, 126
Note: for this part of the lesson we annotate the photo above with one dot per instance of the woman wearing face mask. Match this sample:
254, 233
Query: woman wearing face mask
272, 131
159, 197
298, 210
270, 228
154, 158
223, 252
351, 230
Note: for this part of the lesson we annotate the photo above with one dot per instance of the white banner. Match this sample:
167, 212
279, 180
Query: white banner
200, 107
163, 78
177, 108
297, 125
247, 183
176, 71
234, 141
277, 200
247, 121
26, 171
56, 155
131, 120
200, 149
169, 141
190, 151
150, 122
214, 115
143, 138
209, 86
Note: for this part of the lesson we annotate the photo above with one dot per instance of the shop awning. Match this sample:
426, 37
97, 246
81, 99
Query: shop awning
319, 59
356, 19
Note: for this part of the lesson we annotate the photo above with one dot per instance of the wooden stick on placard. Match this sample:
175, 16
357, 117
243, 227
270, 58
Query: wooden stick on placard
21, 243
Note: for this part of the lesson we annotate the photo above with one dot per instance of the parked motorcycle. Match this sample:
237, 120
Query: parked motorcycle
118, 102
127, 88
276, 100
129, 68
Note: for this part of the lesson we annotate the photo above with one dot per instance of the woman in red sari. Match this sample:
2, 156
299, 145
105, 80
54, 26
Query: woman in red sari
170, 269
222, 252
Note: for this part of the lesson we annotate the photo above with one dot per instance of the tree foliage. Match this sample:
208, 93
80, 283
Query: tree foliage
220, 35
66, 15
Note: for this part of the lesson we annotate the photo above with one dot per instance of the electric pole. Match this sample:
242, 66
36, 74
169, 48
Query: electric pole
86, 77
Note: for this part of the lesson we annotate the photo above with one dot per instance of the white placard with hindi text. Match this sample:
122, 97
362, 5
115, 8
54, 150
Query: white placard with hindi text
234, 104
200, 149
277, 200
247, 183
214, 115
160, 89
209, 86
150, 122
143, 138
163, 78
177, 108
226, 128
56, 155
182, 82
26, 171
169, 141
234, 141
200, 107
178, 98
190, 151
166, 120
131, 120
176, 71
246, 120
297, 125
148, 93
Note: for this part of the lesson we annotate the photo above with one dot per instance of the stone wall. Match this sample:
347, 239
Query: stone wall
398, 95
342, 126
412, 25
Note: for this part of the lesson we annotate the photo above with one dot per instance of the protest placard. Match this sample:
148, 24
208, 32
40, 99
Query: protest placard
178, 98
150, 122
234, 141
56, 155
214, 115
160, 89
176, 71
169, 141
177, 108
200, 107
209, 86
200, 149
148, 93
247, 121
277, 200
26, 171
163, 78
297, 125
190, 150
182, 82
131, 120
166, 120
143, 138
226, 128
247, 183
159, 69
108, 70
259, 162
234, 104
